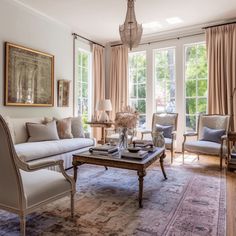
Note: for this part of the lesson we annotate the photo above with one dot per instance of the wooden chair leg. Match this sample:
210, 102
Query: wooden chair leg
172, 155
72, 203
221, 162
22, 225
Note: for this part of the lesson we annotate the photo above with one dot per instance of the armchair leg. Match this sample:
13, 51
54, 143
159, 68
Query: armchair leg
172, 155
22, 225
183, 152
72, 205
221, 162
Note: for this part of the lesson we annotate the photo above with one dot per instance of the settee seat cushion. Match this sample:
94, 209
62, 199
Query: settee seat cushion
36, 150
41, 185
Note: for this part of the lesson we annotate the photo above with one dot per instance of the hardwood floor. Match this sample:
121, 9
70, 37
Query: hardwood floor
231, 188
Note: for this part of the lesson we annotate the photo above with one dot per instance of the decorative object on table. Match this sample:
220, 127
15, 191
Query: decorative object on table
130, 31
158, 139
134, 149
29, 79
104, 106
105, 149
141, 154
125, 121
63, 88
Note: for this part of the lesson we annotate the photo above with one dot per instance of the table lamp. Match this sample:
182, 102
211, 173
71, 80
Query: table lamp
104, 105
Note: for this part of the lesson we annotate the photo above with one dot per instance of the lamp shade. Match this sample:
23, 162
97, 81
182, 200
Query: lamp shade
104, 105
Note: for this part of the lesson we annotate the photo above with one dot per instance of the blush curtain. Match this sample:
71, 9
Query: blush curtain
98, 80
118, 89
221, 51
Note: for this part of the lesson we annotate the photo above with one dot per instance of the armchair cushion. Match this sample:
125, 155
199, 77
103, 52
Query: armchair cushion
203, 147
42, 185
212, 135
166, 129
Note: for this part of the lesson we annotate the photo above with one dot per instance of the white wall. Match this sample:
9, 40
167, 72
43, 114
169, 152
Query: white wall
25, 27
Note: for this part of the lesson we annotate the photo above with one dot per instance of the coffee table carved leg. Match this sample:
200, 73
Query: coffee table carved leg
162, 166
141, 175
75, 167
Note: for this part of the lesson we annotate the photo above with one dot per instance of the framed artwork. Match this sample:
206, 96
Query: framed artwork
63, 93
29, 77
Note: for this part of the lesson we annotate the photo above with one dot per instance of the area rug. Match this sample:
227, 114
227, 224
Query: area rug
190, 202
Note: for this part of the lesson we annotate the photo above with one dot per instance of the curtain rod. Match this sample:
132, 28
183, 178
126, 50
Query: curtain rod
210, 26
162, 40
77, 35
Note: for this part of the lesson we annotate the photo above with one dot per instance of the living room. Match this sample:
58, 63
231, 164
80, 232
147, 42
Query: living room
75, 76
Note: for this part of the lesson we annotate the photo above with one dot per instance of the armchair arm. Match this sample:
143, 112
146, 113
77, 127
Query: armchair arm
145, 132
173, 135
224, 137
190, 134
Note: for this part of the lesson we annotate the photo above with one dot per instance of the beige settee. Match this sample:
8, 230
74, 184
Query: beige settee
34, 152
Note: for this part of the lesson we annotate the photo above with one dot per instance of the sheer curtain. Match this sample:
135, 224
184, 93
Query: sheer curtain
98, 80
221, 50
118, 92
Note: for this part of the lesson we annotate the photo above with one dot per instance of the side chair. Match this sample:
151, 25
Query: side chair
25, 187
166, 122
211, 137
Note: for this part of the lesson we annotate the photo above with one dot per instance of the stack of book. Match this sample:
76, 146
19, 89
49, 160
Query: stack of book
106, 150
138, 155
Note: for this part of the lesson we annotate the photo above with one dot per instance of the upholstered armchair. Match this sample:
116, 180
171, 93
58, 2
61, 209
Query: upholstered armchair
25, 187
211, 136
166, 123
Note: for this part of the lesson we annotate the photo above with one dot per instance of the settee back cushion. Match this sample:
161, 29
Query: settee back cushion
77, 127
19, 127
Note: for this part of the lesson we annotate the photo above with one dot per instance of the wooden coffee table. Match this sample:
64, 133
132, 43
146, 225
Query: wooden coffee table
139, 165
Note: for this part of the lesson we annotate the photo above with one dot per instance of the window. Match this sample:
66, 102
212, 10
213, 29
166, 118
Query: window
195, 83
164, 61
83, 85
137, 84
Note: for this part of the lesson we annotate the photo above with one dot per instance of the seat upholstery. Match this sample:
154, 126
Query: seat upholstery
41, 185
36, 150
200, 146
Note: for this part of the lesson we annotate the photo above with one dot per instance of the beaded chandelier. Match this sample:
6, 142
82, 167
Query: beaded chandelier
131, 31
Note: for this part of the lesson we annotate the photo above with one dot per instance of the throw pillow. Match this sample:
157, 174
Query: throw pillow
42, 132
64, 128
166, 129
212, 135
77, 127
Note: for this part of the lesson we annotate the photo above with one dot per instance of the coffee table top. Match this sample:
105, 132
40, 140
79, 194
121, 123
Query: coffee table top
117, 161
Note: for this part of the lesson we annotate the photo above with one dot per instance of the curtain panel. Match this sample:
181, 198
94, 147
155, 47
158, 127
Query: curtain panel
98, 81
118, 89
221, 52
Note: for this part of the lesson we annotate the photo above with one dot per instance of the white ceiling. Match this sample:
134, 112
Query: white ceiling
100, 19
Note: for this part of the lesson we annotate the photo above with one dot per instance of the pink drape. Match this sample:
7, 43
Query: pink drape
221, 51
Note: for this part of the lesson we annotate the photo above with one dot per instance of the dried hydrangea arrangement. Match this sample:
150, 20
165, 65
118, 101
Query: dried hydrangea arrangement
127, 118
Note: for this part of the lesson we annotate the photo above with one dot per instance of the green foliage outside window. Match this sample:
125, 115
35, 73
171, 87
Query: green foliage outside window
82, 86
195, 83
137, 82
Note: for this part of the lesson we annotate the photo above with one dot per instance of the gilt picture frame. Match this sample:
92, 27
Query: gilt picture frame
29, 77
63, 90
